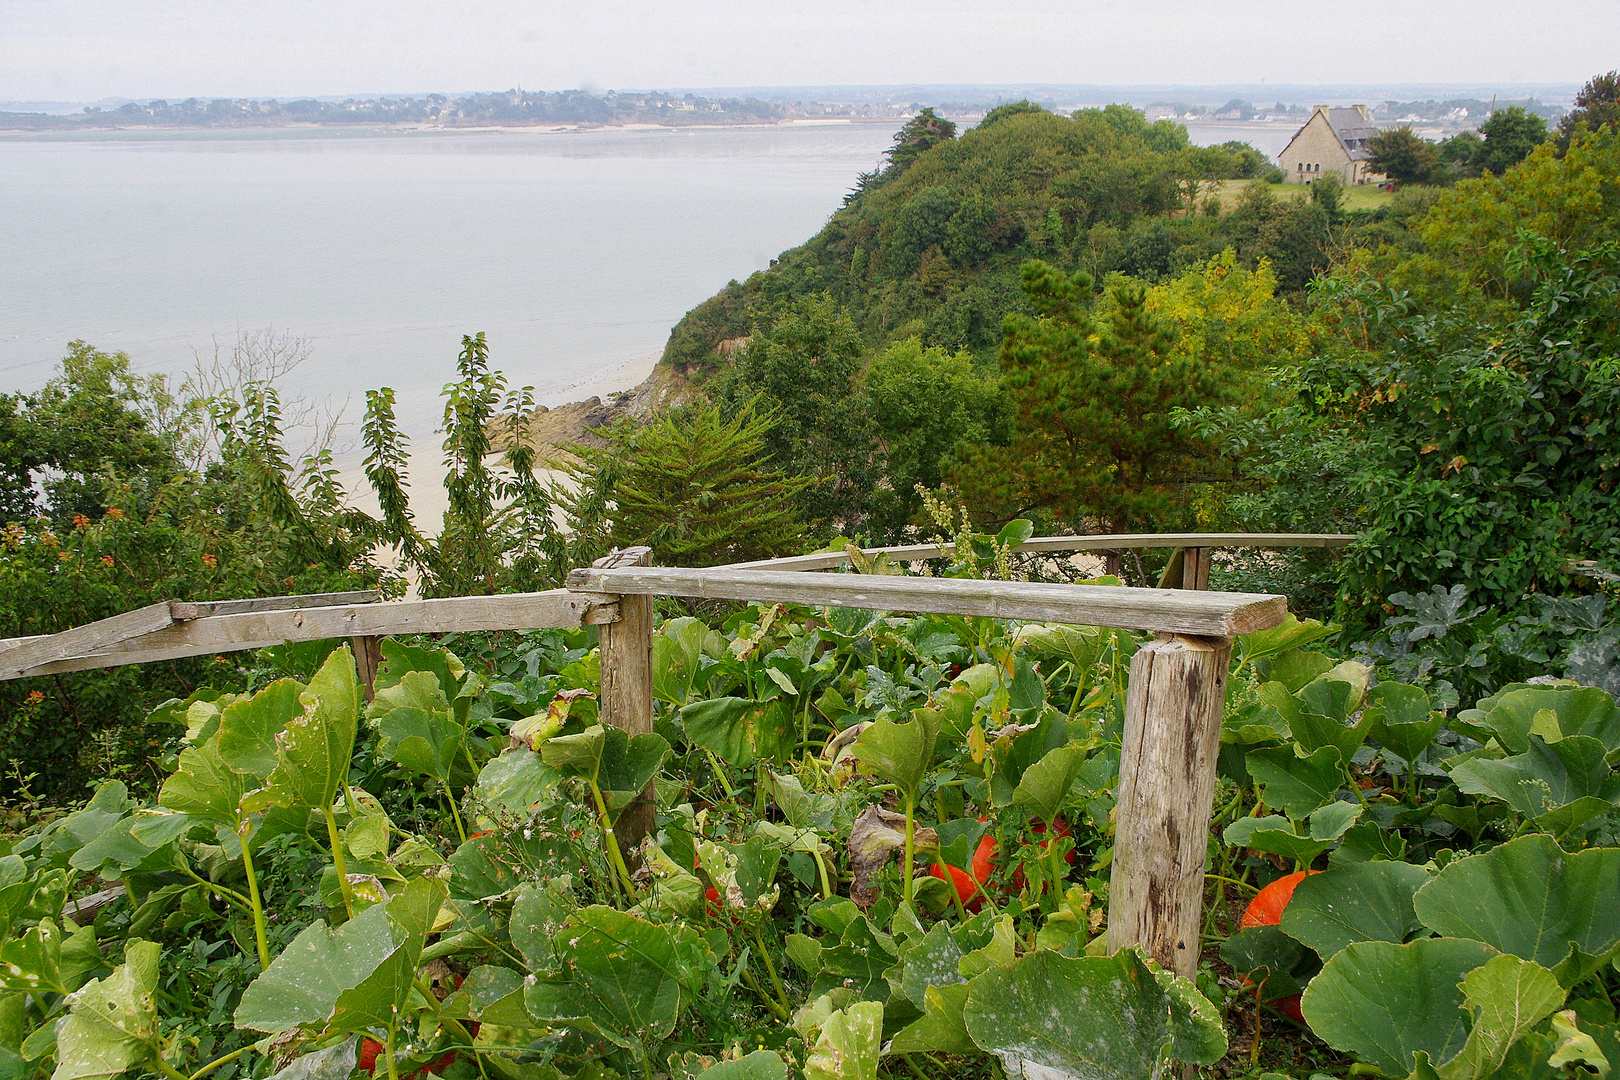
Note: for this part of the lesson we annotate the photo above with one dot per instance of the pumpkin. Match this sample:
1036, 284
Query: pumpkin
1266, 909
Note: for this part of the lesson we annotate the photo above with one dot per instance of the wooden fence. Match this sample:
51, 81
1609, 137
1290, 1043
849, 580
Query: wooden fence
1173, 707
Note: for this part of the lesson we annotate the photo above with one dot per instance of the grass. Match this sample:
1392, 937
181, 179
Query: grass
1356, 197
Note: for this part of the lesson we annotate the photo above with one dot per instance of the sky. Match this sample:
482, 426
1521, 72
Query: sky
86, 50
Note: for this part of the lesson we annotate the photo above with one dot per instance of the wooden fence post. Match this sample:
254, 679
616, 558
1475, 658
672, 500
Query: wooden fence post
1166, 789
367, 659
627, 692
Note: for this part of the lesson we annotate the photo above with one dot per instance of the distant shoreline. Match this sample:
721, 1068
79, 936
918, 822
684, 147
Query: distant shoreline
272, 130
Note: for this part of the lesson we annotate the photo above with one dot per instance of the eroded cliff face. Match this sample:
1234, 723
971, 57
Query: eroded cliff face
553, 430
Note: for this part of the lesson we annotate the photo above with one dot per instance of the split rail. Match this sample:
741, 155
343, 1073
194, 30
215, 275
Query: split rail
1173, 707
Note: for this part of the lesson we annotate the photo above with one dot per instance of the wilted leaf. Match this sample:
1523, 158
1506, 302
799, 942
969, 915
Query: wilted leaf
333, 1063
874, 838
850, 1044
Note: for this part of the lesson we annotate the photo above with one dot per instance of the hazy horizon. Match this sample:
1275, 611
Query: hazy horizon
89, 50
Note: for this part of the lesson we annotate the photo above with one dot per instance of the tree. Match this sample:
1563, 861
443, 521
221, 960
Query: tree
1597, 104
694, 487
922, 133
1510, 134
1093, 445
929, 406
1402, 155
805, 371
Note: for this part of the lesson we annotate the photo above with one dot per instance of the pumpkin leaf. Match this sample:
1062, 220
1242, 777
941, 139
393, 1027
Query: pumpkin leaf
849, 1046
1045, 785
1401, 718
899, 753
1089, 1018
113, 1023
1506, 997
760, 1065
1529, 898
736, 730
314, 749
1385, 1002
416, 728
1296, 784
1360, 901
1558, 785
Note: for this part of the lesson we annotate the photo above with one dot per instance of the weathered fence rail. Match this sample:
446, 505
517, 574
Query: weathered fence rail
1173, 708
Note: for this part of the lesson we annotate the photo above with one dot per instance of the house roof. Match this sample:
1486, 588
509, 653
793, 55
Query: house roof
1353, 129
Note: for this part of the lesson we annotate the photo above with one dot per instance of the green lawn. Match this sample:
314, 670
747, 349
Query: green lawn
1357, 197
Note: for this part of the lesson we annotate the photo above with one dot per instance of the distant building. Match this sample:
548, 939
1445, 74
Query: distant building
1332, 140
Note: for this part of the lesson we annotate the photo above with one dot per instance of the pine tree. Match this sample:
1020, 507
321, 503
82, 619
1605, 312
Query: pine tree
692, 485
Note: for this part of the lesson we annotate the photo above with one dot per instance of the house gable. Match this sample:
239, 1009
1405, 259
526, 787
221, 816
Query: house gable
1333, 140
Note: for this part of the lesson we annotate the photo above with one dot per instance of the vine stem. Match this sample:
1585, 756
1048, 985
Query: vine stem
169, 1070
455, 814
1233, 881
770, 968
615, 856
770, 1002
230, 896
911, 847
343, 877
217, 1062
393, 1071
260, 934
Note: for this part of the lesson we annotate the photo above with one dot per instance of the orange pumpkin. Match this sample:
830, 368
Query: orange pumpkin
1266, 909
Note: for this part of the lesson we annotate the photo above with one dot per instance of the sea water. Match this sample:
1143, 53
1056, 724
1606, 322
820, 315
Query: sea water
575, 252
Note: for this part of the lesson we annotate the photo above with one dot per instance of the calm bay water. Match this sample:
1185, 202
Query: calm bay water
574, 252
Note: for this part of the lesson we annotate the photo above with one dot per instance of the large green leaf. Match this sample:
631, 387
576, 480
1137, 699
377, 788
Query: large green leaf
113, 1024
677, 657
899, 753
205, 787
1087, 1018
760, 1065
349, 975
1361, 901
1080, 645
538, 915
1529, 898
629, 978
1297, 785
850, 1044
314, 750
416, 727
1384, 1002
1401, 718
1275, 834
1267, 955
1558, 785
248, 727
629, 764
1505, 997
1551, 712
735, 730
1045, 785
1291, 634
517, 783
942, 1028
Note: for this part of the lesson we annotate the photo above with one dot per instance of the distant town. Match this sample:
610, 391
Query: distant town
574, 109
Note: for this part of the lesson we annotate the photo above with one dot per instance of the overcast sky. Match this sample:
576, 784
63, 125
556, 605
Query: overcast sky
83, 50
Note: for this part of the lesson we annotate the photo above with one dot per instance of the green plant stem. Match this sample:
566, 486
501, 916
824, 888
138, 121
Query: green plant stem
168, 1070
912, 1065
821, 868
720, 774
615, 856
341, 869
260, 934
770, 968
909, 888
455, 814
956, 895
230, 896
770, 1002
1233, 881
217, 1062
393, 1072
1053, 860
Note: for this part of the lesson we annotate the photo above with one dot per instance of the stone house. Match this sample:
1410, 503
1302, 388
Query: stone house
1332, 140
